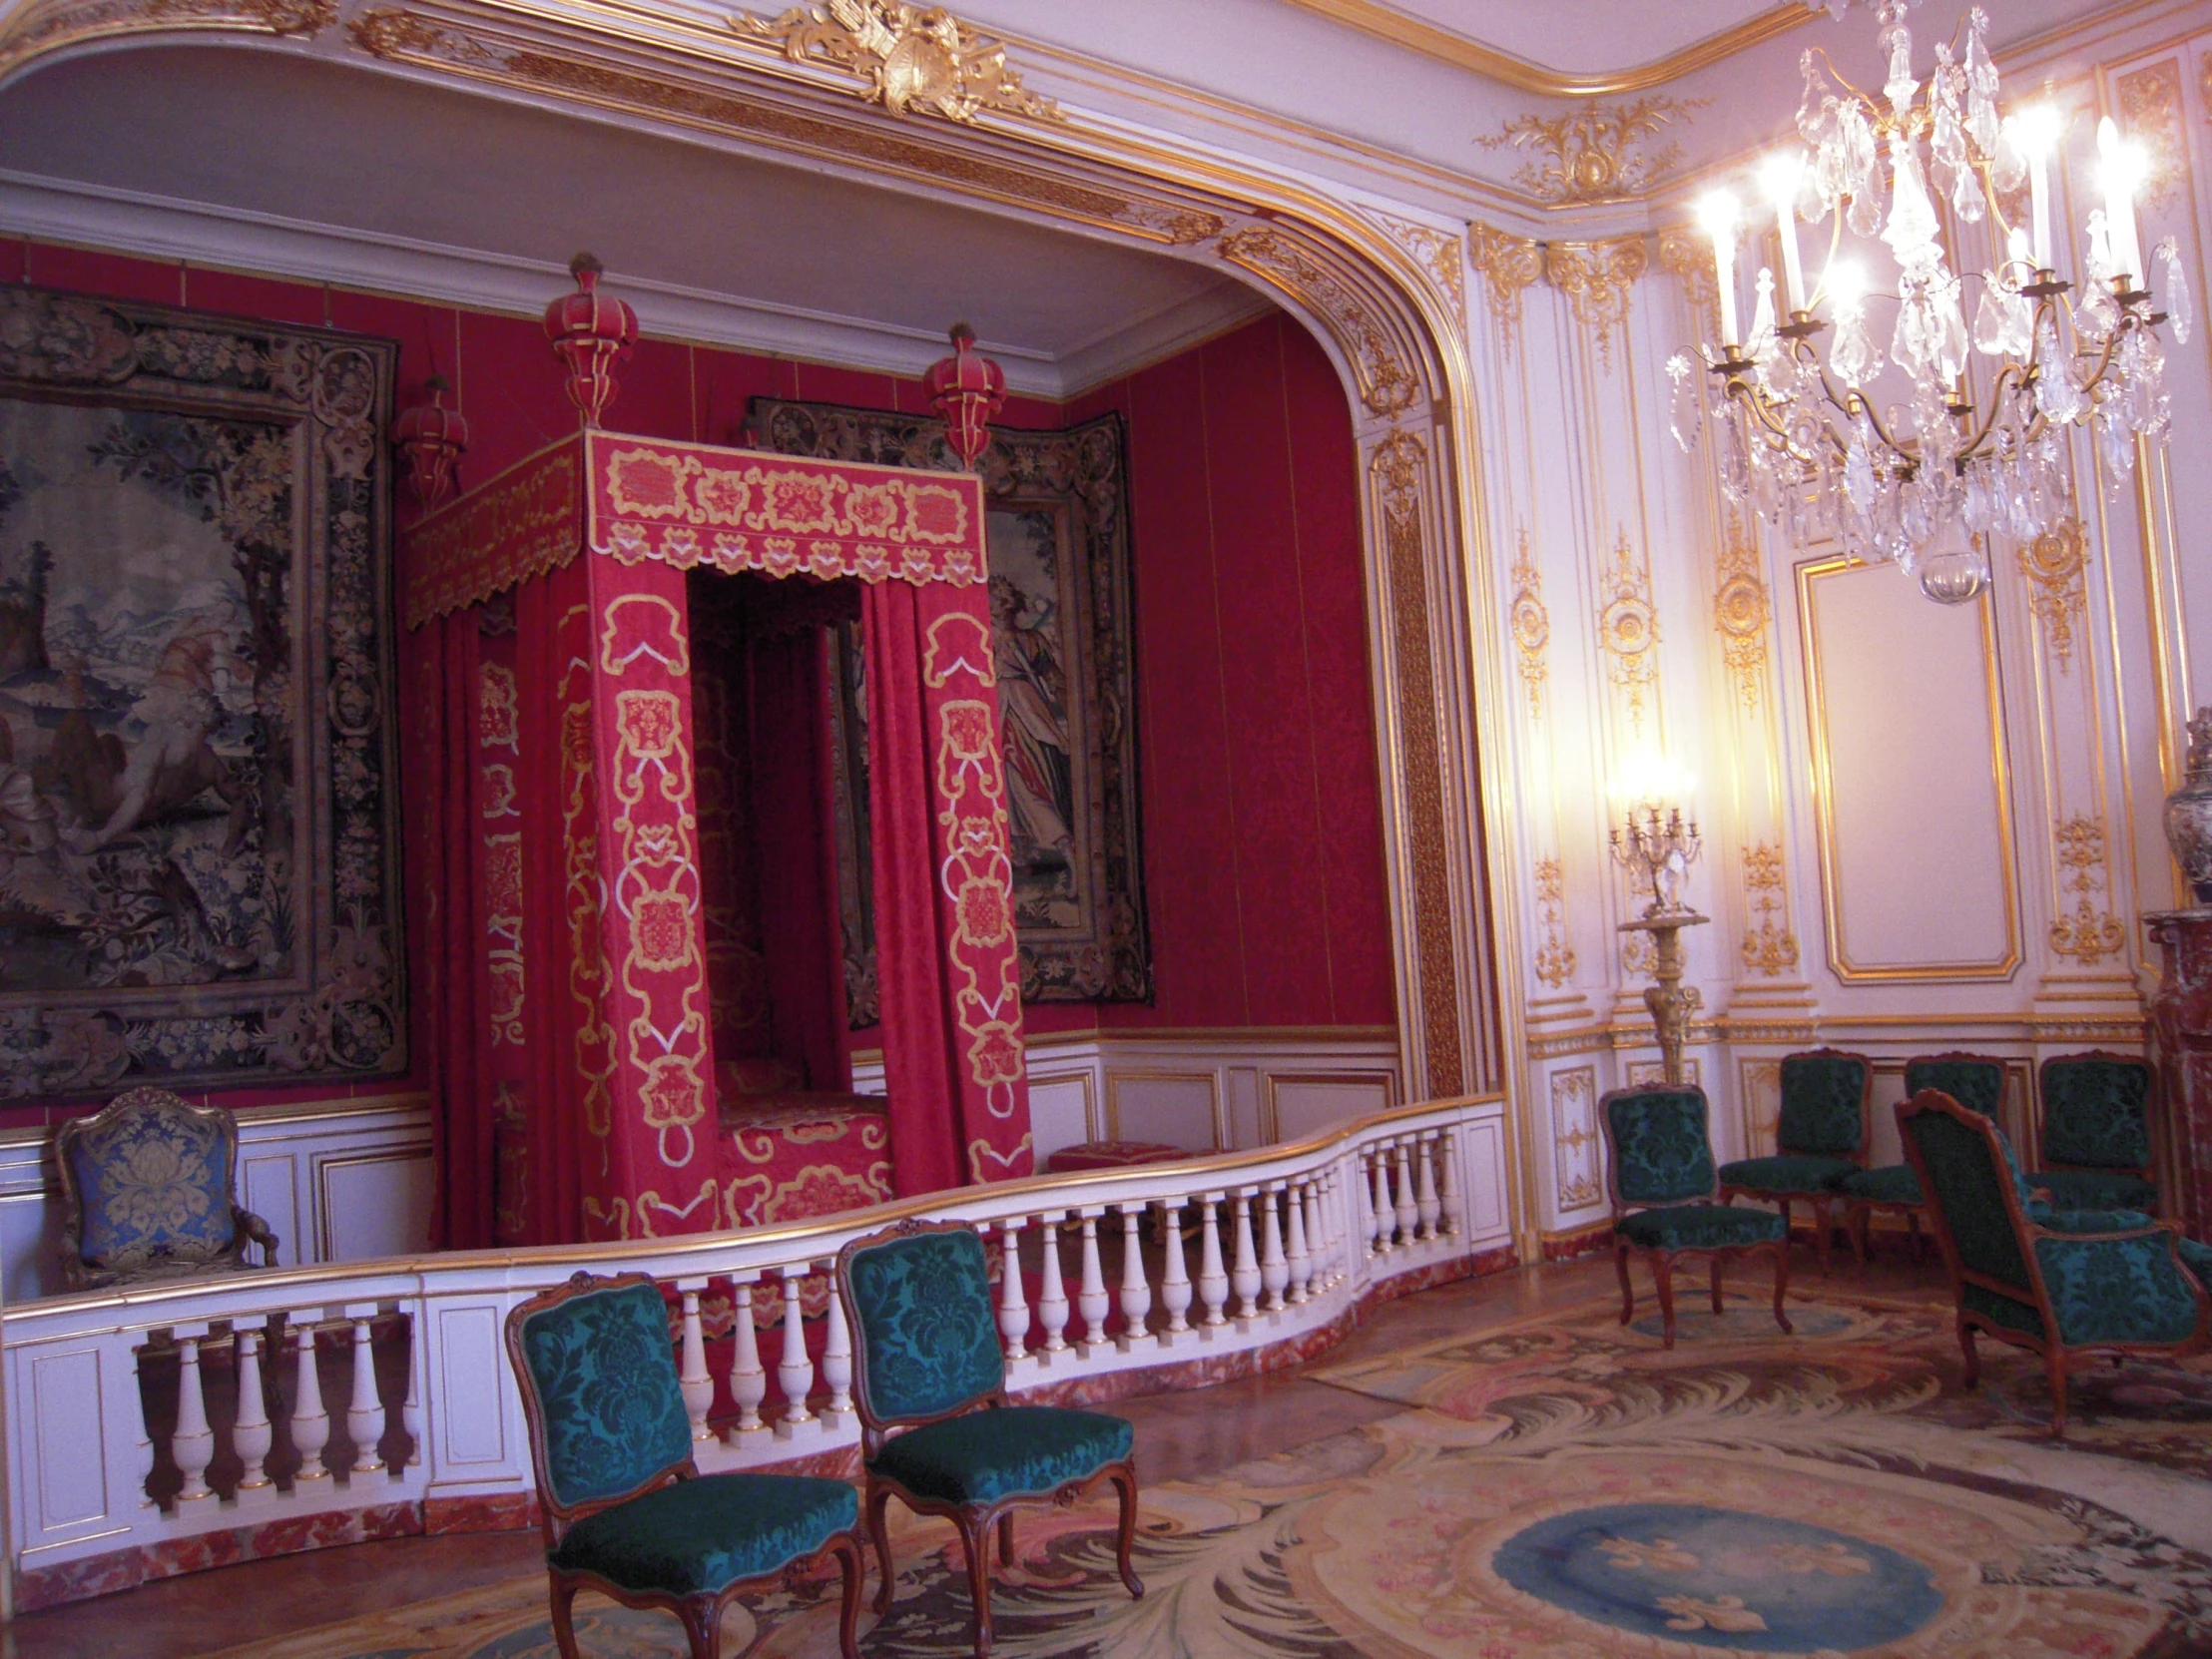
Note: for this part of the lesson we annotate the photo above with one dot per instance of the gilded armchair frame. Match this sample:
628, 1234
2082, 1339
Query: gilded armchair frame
699, 1615
246, 1228
973, 1521
2057, 1355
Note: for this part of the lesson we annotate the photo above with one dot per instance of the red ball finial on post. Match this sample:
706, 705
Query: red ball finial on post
591, 333
965, 388
431, 438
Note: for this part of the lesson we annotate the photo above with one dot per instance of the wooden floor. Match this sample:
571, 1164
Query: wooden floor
1180, 1437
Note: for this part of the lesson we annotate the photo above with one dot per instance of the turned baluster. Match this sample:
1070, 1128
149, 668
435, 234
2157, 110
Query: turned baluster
193, 1445
410, 1411
1013, 1310
748, 1378
1430, 1205
144, 1447
1379, 1207
1213, 1282
837, 1354
1447, 1186
310, 1423
794, 1372
250, 1433
1053, 1295
1243, 1278
1090, 1297
1317, 1237
1300, 1264
364, 1413
1175, 1283
1136, 1294
697, 1381
1275, 1270
1409, 1212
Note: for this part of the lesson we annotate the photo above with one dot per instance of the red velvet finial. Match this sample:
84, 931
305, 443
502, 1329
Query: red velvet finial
432, 439
966, 388
591, 333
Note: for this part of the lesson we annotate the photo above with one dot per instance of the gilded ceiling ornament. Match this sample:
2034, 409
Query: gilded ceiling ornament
2089, 934
2054, 564
1386, 385
1574, 1138
1554, 957
41, 27
1177, 226
1440, 256
2150, 110
1597, 152
1509, 265
1531, 624
1595, 278
1628, 628
1741, 609
1768, 948
1686, 251
909, 58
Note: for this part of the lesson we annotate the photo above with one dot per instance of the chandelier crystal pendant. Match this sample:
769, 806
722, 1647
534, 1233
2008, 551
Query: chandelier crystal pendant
1950, 451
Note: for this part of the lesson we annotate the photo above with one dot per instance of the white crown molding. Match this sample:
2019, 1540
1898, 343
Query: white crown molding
130, 221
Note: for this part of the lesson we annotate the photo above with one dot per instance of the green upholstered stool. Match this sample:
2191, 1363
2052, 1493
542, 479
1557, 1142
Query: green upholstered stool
936, 1431
2069, 1287
1661, 1179
2096, 1132
1976, 1082
1821, 1137
625, 1509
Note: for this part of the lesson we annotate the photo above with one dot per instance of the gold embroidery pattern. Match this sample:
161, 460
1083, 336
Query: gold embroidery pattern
1509, 265
2151, 111
1396, 469
1741, 611
1441, 258
1595, 277
1600, 153
905, 57
1629, 630
1574, 1138
2089, 934
1531, 624
2054, 564
1554, 957
1386, 385
1768, 948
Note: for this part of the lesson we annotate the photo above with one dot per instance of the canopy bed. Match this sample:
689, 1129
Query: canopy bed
625, 918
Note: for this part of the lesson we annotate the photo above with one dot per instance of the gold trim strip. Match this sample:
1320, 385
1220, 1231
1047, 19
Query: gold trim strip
1388, 23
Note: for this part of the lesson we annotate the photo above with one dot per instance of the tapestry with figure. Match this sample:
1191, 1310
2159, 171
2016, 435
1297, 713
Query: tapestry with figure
198, 865
1061, 640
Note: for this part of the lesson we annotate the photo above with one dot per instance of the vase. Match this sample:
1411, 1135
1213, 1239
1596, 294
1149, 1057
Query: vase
2189, 811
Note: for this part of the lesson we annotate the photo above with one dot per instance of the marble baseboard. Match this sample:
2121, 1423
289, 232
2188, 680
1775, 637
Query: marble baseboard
498, 1512
1587, 1241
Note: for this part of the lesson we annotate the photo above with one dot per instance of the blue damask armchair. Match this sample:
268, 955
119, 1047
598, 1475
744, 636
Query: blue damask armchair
148, 1192
2066, 1284
625, 1509
1819, 1137
1976, 1082
2096, 1140
936, 1431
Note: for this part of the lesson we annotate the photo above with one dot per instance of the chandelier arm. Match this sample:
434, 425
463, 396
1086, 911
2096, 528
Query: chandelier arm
1972, 450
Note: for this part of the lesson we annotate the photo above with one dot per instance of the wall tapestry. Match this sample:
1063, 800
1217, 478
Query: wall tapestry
1062, 622
198, 867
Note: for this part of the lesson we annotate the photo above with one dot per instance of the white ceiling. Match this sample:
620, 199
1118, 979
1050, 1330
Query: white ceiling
172, 150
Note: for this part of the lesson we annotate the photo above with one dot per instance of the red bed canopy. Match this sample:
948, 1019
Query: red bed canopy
593, 1007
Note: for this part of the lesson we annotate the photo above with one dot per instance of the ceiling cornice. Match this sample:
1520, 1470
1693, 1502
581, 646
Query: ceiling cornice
1415, 34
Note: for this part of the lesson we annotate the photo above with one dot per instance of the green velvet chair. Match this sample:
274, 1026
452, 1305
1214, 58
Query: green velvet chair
1819, 1137
625, 1509
2095, 1145
1975, 1081
1659, 1175
2069, 1287
936, 1431
149, 1191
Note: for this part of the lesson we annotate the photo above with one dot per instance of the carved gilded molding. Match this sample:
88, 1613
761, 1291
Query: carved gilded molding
1742, 608
1628, 629
1595, 277
904, 57
1531, 626
1686, 252
1387, 385
1509, 265
2089, 933
45, 25
2054, 563
2150, 112
1556, 960
1574, 1166
1440, 256
1768, 948
1598, 154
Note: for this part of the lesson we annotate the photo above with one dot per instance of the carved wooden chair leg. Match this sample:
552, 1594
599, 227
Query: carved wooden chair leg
1820, 1233
1855, 1223
2054, 1363
1125, 1482
851, 1569
1782, 1288
1974, 1360
1720, 1258
1628, 1291
702, 1616
564, 1617
1662, 1276
1006, 1539
879, 1528
1784, 1204
1912, 1226
975, 1544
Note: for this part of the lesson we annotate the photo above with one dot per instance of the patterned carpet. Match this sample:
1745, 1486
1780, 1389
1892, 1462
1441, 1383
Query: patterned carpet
1563, 1489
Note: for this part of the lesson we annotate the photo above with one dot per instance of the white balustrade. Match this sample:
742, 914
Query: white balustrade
1300, 1264
1013, 1312
794, 1372
697, 1381
1243, 1278
364, 1412
310, 1423
411, 1409
1447, 1183
1213, 1282
1274, 1268
1175, 1281
1409, 1211
192, 1446
1090, 1298
1384, 1215
1052, 1294
837, 1354
747, 1380
252, 1436
1136, 1295
1316, 1237
1428, 1206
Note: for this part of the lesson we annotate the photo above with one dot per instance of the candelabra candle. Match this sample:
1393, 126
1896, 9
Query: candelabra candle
1659, 851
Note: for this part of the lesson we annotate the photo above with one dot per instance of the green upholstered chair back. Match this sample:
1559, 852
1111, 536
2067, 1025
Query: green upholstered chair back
1965, 1172
149, 1178
926, 1334
2097, 1112
1824, 1104
1657, 1146
599, 1384
1976, 1082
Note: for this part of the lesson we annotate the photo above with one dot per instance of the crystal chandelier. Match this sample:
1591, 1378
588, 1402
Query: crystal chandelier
1958, 451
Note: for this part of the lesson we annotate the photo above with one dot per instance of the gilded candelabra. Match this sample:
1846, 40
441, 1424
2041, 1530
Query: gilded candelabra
1657, 846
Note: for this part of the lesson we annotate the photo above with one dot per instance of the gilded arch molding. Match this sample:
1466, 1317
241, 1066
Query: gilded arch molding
1385, 322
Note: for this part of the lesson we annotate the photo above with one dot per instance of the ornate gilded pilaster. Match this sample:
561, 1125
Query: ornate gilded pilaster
1628, 631
1509, 265
2055, 564
1441, 256
1577, 1182
1742, 608
1595, 277
2151, 113
1531, 626
1554, 955
2088, 933
1769, 949
1687, 252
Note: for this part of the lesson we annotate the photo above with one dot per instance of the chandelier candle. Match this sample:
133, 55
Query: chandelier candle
1782, 176
1717, 213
